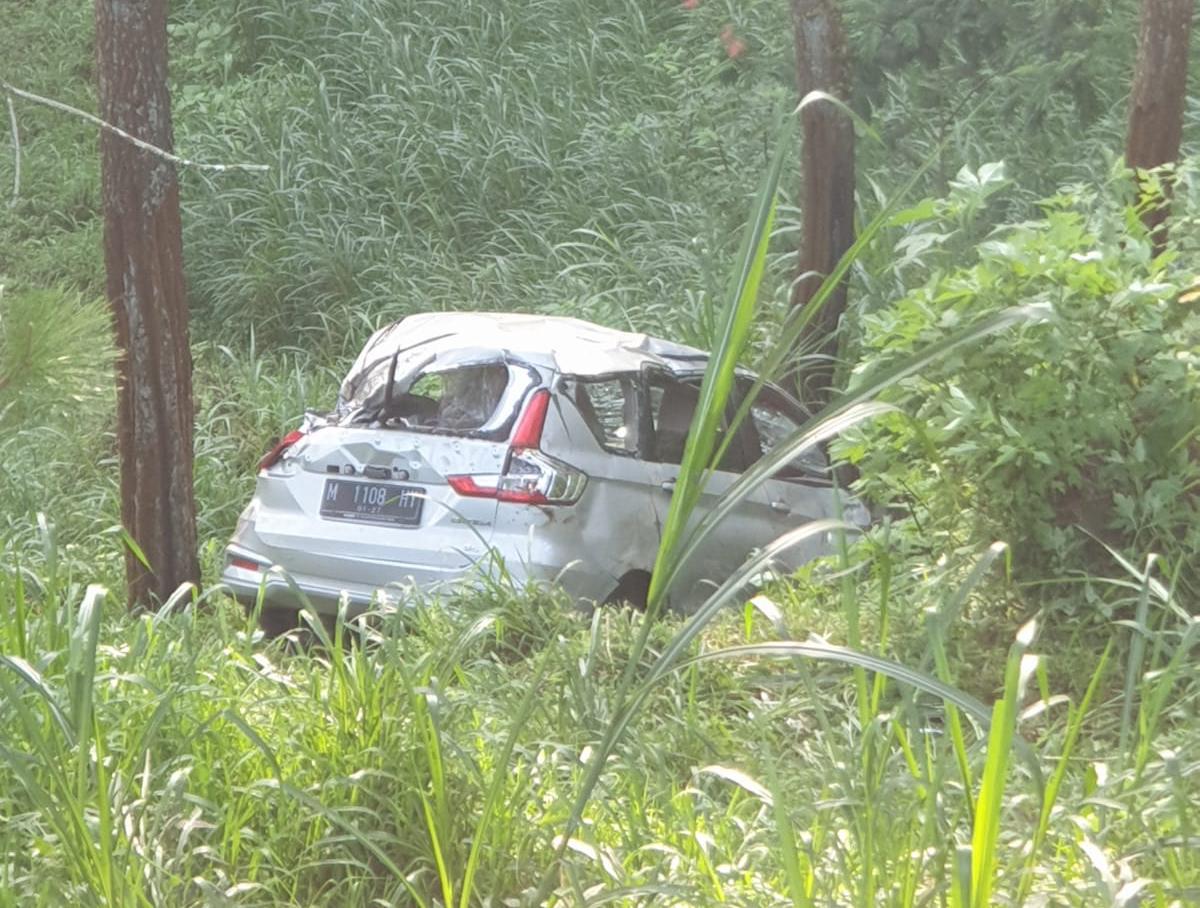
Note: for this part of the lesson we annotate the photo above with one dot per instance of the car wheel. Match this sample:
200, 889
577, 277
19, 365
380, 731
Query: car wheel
275, 622
633, 590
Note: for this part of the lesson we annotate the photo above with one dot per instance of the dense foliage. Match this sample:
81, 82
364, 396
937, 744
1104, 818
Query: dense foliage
598, 159
1052, 437
176, 759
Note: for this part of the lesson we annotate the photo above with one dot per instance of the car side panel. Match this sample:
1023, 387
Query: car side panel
612, 529
747, 527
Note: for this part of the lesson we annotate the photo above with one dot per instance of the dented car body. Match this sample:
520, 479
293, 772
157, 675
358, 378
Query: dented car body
544, 447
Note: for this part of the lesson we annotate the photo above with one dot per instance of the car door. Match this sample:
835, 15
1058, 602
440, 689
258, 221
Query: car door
799, 492
670, 404
610, 537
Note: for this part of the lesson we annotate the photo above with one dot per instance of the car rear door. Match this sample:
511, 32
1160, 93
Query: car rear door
670, 404
799, 492
610, 537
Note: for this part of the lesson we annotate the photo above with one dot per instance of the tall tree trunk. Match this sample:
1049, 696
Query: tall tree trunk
143, 252
827, 160
1157, 99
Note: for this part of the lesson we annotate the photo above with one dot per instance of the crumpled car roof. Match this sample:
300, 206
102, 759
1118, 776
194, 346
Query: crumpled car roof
567, 345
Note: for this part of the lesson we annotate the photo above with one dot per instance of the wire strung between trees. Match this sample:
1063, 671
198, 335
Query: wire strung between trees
16, 140
11, 91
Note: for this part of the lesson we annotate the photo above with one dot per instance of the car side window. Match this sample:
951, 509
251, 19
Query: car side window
672, 405
774, 425
609, 407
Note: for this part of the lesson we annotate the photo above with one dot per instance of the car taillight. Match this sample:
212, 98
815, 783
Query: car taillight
528, 433
530, 476
272, 457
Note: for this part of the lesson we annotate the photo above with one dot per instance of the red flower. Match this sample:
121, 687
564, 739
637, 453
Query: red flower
690, 4
734, 46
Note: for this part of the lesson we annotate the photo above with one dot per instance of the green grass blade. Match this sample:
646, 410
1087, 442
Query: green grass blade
828, 652
33, 680
719, 374
81, 660
732, 585
989, 804
698, 451
1137, 655
803, 440
499, 778
1050, 796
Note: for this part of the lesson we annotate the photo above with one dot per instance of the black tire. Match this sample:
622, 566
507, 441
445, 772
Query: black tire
633, 590
276, 621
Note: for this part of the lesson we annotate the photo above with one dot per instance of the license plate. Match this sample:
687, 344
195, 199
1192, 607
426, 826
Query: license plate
372, 502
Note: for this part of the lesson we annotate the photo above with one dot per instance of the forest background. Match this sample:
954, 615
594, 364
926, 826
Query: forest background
600, 159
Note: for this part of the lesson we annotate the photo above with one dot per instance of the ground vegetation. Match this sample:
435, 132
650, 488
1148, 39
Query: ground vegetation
989, 698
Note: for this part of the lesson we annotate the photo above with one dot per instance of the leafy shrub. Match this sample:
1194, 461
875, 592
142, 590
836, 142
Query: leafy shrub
1051, 434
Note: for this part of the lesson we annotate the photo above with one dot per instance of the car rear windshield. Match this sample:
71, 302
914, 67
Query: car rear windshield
479, 399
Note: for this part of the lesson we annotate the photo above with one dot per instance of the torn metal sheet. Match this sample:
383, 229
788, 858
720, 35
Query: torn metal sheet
566, 345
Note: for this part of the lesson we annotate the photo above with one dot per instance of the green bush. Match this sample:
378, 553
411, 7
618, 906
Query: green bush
1049, 436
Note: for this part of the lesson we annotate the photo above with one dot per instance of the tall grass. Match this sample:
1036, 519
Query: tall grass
177, 759
496, 747
548, 156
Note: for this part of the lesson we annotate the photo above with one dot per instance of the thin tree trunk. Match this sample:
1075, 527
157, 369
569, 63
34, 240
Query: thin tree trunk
1157, 100
827, 161
143, 251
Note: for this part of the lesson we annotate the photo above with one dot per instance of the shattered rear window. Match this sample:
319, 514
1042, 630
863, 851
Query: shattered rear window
473, 399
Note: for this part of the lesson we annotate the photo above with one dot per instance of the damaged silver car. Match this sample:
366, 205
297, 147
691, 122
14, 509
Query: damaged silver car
544, 447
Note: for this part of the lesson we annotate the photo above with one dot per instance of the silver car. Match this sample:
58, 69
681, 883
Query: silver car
545, 447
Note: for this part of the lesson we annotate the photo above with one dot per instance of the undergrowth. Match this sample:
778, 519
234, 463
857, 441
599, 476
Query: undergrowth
592, 159
177, 758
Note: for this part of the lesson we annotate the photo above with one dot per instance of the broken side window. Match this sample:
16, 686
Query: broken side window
609, 407
672, 406
774, 424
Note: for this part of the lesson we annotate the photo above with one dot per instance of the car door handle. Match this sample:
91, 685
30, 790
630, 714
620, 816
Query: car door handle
781, 507
667, 485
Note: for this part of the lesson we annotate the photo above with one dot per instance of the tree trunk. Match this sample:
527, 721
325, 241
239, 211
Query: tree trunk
143, 253
827, 161
1157, 99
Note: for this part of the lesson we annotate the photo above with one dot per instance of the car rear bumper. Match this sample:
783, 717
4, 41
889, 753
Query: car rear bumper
280, 588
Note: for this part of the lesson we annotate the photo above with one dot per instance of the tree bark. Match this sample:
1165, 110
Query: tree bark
1157, 100
143, 253
827, 161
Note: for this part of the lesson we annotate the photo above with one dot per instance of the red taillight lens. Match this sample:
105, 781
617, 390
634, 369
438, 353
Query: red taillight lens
245, 564
528, 433
529, 477
474, 486
272, 457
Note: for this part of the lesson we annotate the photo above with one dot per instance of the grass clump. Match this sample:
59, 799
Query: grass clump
493, 746
178, 758
57, 405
